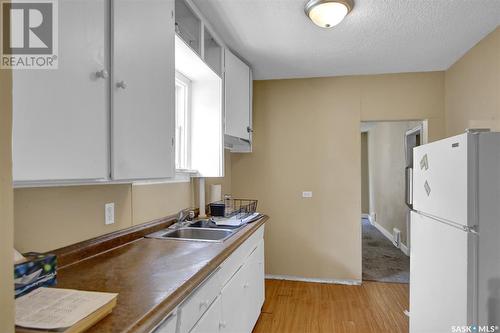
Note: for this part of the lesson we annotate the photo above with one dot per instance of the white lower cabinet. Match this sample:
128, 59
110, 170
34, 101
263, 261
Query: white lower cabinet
254, 288
234, 304
230, 299
168, 325
211, 320
199, 302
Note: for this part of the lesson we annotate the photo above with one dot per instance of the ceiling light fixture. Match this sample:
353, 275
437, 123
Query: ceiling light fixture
328, 13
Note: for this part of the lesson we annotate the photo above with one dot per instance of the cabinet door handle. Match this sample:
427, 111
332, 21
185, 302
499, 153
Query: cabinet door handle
102, 74
249, 129
121, 84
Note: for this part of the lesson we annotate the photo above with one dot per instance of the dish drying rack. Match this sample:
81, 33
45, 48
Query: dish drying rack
233, 208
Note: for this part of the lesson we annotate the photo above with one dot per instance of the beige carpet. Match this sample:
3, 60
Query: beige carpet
382, 261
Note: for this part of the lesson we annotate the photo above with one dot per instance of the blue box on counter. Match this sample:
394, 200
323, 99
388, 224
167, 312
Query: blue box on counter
38, 271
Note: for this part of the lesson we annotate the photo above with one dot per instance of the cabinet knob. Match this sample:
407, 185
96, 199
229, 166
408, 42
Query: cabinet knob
249, 129
121, 84
102, 74
246, 285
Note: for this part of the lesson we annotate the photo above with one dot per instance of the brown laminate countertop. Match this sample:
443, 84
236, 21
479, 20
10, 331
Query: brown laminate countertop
151, 276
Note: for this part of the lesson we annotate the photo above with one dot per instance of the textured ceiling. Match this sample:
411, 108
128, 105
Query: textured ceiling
378, 36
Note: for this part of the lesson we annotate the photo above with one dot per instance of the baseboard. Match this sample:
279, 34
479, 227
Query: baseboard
315, 280
388, 235
383, 230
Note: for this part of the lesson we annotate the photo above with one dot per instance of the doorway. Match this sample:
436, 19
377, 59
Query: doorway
386, 165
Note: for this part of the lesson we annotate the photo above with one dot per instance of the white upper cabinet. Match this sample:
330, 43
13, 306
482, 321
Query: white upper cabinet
237, 97
143, 89
188, 25
61, 116
108, 112
212, 52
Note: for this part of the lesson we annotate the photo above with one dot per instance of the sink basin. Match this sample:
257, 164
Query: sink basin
211, 225
194, 234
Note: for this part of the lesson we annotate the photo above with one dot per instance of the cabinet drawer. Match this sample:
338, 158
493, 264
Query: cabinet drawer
238, 257
199, 301
168, 325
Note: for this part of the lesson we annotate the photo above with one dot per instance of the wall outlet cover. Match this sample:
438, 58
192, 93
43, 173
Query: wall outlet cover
109, 213
307, 194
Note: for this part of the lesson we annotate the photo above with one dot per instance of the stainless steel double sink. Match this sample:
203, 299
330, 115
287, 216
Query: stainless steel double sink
201, 231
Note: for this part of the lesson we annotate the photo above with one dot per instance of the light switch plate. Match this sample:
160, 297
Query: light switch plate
307, 194
109, 213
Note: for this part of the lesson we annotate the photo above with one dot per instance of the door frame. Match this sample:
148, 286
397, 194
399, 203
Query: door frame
418, 130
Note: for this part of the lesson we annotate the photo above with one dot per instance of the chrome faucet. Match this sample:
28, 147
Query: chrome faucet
185, 217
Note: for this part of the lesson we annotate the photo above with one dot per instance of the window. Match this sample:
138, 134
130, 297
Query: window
182, 122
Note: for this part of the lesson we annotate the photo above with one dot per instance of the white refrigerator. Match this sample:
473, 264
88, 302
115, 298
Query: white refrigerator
455, 234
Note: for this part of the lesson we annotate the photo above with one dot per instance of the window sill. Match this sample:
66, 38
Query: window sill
186, 171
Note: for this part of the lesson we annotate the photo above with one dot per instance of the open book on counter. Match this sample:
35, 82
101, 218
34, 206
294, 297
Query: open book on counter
62, 310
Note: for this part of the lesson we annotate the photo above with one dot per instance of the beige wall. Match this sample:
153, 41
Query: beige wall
49, 218
413, 96
365, 194
473, 88
387, 161
307, 139
150, 202
6, 209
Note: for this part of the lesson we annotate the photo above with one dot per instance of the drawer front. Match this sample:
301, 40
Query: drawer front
238, 257
199, 301
169, 324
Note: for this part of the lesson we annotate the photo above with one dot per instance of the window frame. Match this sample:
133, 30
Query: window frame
185, 83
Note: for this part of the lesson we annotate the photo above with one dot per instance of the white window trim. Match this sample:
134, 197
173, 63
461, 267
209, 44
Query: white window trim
181, 79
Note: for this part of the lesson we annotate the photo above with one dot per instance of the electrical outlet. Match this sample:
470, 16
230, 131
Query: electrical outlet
109, 213
307, 194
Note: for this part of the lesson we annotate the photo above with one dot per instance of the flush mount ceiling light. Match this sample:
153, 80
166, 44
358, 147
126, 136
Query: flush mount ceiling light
328, 13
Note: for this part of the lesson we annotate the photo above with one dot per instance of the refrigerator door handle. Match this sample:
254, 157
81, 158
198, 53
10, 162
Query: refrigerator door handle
409, 186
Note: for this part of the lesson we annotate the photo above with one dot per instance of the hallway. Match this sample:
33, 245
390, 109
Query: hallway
382, 261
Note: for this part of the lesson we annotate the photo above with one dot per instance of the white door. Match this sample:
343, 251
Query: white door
60, 118
441, 276
234, 306
237, 95
210, 321
143, 89
442, 178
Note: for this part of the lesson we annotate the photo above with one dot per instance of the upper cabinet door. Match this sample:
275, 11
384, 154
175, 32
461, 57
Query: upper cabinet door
60, 128
237, 95
143, 89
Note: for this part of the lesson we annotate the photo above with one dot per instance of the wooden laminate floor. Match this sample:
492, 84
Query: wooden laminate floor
373, 307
